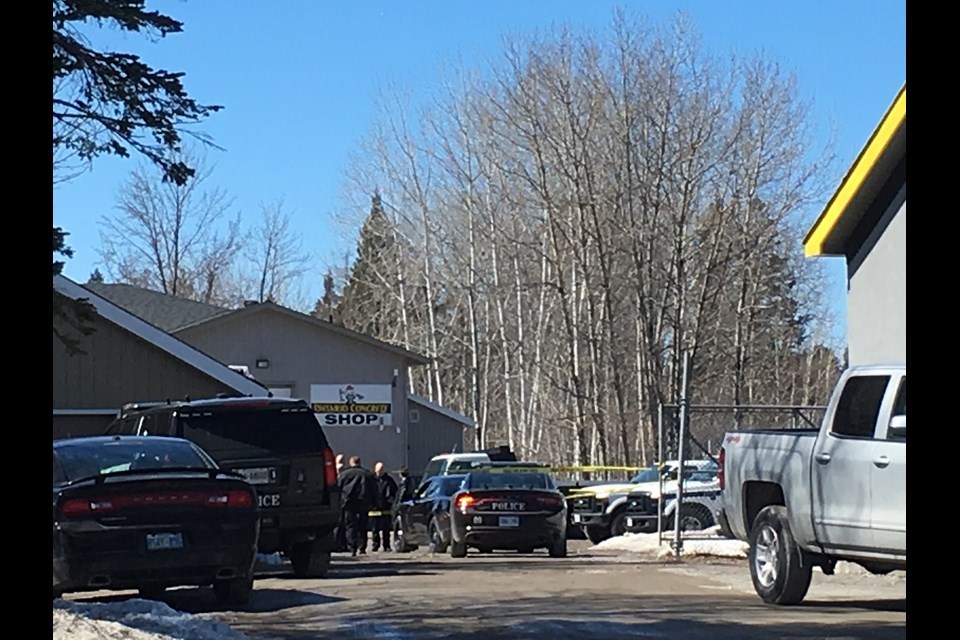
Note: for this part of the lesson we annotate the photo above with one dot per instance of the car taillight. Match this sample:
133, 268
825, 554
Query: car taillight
464, 501
720, 472
329, 467
79, 507
232, 499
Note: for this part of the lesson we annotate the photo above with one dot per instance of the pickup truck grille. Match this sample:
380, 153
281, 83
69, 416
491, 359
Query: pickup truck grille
585, 504
640, 503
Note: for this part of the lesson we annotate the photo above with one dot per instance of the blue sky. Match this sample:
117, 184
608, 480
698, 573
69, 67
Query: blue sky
298, 80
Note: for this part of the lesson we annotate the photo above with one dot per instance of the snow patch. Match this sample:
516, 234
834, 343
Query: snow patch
704, 544
134, 619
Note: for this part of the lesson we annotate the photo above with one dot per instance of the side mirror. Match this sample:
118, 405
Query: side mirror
897, 427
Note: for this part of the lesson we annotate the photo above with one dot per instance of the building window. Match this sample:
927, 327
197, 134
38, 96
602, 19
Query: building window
414, 416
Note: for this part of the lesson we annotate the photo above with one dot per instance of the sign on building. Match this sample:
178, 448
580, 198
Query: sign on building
349, 404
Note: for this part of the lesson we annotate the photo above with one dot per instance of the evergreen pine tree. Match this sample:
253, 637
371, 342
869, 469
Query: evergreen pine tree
370, 304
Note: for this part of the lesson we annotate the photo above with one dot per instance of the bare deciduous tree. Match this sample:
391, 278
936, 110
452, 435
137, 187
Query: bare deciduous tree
277, 255
172, 238
582, 214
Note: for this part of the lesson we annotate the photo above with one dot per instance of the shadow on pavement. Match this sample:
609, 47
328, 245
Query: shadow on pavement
898, 604
600, 617
202, 600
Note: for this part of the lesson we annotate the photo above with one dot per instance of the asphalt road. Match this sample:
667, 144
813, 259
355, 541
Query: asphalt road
499, 596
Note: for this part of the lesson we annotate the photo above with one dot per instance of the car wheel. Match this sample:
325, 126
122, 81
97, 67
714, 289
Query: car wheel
597, 534
399, 542
618, 524
152, 592
437, 544
780, 569
558, 549
310, 559
458, 549
695, 517
235, 592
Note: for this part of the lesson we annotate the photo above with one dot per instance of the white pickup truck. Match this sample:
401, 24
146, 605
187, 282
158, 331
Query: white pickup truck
814, 497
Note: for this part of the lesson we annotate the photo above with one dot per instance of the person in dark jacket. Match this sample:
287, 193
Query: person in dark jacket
358, 494
386, 495
341, 531
405, 490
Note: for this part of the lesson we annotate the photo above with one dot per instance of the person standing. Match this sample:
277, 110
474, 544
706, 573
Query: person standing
358, 493
341, 534
405, 490
386, 494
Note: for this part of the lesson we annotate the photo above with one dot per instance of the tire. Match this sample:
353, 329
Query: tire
618, 523
310, 559
558, 549
458, 549
235, 592
695, 517
399, 542
437, 545
151, 592
780, 569
597, 534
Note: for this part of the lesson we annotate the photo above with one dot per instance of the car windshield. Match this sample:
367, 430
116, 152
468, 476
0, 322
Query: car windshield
86, 459
449, 485
510, 480
262, 431
650, 474
701, 475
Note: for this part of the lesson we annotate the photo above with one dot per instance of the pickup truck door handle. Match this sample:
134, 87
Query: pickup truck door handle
823, 458
881, 462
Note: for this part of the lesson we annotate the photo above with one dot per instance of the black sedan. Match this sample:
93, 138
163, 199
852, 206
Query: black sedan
425, 518
149, 513
508, 509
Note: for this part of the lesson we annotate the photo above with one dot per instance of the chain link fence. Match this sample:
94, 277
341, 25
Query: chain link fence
693, 434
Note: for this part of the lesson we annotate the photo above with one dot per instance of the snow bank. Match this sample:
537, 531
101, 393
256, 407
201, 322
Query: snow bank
706, 543
134, 619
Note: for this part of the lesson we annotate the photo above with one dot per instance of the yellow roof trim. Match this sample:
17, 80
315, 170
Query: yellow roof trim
862, 167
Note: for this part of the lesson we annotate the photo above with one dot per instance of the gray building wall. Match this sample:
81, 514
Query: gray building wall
300, 354
431, 433
118, 367
877, 295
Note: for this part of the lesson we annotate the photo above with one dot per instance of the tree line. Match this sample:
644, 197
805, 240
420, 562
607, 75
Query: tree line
556, 231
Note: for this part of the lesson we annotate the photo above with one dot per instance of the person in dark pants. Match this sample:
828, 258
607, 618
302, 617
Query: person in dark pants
358, 493
341, 535
386, 494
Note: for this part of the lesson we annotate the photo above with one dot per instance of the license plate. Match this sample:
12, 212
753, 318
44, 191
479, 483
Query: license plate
260, 475
163, 541
577, 519
509, 521
629, 522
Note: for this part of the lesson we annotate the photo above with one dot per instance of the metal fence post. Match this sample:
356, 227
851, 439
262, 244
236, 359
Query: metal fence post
684, 399
659, 476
